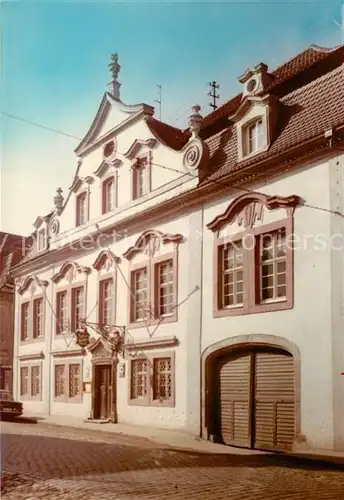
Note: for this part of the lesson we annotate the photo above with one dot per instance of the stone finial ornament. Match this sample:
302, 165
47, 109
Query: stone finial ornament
58, 201
195, 120
114, 68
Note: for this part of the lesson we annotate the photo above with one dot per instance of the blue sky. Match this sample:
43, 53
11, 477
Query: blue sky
54, 72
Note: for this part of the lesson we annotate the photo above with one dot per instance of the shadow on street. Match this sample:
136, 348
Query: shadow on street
52, 457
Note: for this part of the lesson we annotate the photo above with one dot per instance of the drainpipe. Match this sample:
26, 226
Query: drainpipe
201, 319
50, 344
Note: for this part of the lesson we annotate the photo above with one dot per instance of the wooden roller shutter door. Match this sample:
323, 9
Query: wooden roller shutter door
274, 406
234, 400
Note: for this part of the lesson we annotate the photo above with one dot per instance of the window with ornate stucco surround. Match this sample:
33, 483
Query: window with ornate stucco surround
153, 278
32, 305
70, 297
140, 155
81, 187
253, 255
106, 266
257, 115
108, 185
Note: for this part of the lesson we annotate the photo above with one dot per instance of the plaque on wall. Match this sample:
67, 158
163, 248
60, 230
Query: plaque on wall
86, 387
121, 370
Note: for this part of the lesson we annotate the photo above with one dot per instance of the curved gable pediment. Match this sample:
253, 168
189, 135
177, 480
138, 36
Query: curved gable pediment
75, 269
247, 208
137, 145
250, 102
78, 182
107, 166
33, 281
105, 257
150, 241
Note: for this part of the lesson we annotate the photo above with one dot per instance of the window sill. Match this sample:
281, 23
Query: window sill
153, 322
163, 404
138, 402
277, 305
32, 340
64, 399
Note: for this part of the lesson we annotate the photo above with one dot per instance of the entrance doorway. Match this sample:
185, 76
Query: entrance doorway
103, 392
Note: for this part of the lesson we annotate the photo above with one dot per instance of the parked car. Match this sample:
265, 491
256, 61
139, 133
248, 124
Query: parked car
8, 407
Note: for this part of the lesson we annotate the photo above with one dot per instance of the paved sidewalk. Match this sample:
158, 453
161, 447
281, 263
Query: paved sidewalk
178, 439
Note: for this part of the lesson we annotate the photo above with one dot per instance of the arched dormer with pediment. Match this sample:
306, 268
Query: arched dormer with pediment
253, 255
32, 305
106, 266
70, 296
153, 278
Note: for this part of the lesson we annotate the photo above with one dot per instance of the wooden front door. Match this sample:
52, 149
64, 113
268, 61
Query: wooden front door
103, 388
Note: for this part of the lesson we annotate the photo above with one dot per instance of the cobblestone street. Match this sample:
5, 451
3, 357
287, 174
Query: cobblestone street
46, 461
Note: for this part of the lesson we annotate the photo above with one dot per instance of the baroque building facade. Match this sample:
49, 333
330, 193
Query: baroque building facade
216, 254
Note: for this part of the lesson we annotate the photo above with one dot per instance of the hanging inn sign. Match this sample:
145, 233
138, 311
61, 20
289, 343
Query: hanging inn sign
113, 334
82, 337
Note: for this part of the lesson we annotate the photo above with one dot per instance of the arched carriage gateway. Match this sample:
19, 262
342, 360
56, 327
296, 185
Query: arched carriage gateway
250, 395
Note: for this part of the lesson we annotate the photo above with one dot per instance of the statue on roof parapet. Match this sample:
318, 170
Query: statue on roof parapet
114, 68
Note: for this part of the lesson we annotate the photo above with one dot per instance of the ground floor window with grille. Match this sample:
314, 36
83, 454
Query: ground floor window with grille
67, 381
31, 381
152, 380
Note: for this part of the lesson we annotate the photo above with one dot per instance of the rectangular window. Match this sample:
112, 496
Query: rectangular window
273, 266
139, 289
61, 312
74, 380
24, 380
41, 239
232, 275
81, 209
151, 381
35, 380
60, 374
162, 379
255, 136
139, 379
140, 178
106, 304
37, 318
25, 321
108, 195
77, 307
165, 288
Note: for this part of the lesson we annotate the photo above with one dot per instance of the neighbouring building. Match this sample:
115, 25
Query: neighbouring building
12, 250
218, 253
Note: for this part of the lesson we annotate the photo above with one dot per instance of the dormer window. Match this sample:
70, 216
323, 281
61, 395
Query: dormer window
108, 195
255, 136
41, 240
81, 209
140, 181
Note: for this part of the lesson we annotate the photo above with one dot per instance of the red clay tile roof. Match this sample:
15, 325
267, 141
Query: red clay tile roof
168, 135
291, 68
306, 113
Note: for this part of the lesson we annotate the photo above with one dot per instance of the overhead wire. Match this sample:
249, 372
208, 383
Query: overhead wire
185, 173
